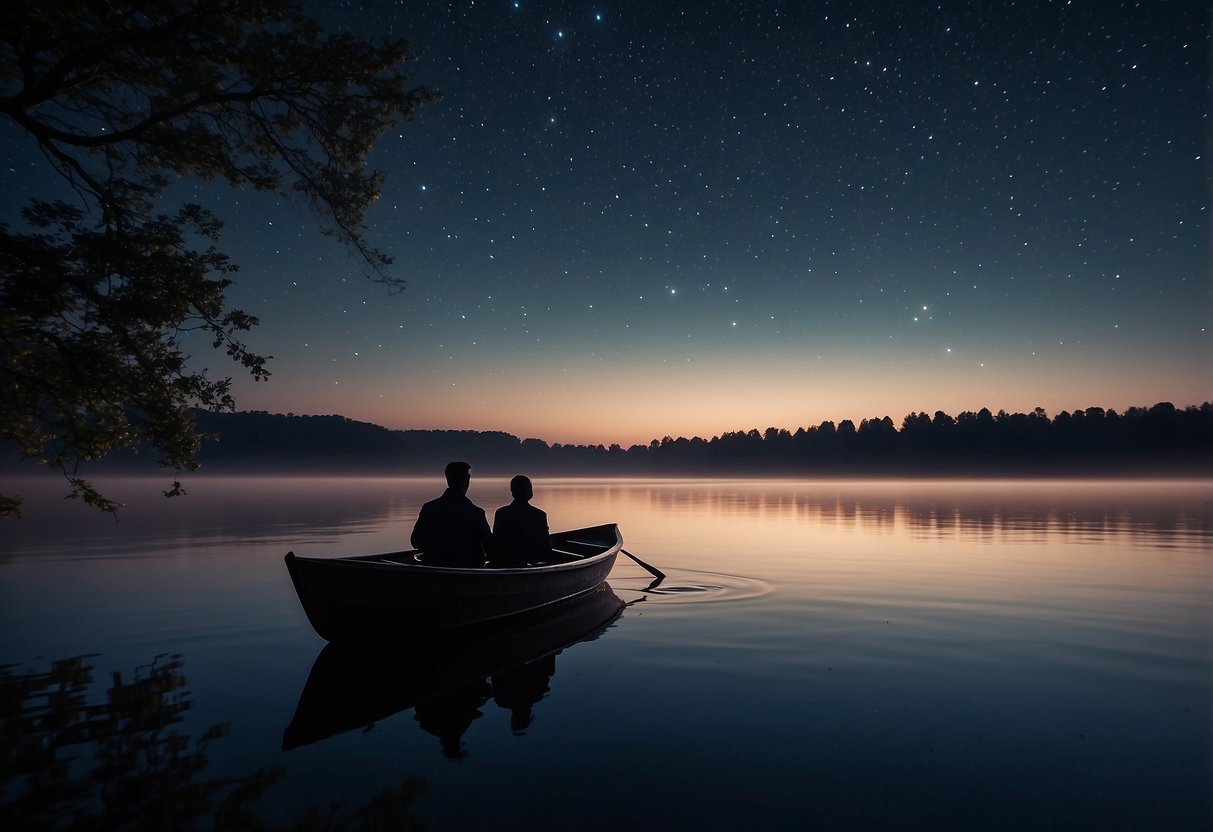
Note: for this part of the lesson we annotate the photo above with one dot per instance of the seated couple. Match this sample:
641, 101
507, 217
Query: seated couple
453, 531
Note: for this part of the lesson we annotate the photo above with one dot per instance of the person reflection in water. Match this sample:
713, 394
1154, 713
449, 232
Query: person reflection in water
452, 530
449, 715
518, 689
520, 530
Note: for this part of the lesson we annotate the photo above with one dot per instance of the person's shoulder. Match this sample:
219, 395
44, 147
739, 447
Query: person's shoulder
467, 503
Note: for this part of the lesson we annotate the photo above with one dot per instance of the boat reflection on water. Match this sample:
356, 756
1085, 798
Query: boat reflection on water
446, 679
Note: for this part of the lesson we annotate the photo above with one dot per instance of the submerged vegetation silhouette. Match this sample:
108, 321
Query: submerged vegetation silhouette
72, 760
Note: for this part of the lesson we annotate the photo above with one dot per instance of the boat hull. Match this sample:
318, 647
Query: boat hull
391, 596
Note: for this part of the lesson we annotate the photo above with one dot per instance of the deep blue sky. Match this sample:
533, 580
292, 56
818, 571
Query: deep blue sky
632, 219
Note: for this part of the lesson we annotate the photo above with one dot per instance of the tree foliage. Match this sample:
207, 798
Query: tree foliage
98, 288
1161, 438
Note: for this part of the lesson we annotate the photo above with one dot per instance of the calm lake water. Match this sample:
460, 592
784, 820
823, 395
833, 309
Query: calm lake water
823, 655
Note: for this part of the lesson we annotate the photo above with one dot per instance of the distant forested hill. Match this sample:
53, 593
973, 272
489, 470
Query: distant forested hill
1156, 439
257, 438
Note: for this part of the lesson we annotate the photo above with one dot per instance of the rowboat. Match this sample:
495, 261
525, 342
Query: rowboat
353, 685
397, 594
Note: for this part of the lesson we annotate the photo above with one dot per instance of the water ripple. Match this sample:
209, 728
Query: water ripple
689, 586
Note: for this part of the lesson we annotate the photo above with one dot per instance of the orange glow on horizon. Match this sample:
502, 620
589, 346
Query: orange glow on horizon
606, 405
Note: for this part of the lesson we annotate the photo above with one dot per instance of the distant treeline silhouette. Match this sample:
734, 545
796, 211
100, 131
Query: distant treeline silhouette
1162, 437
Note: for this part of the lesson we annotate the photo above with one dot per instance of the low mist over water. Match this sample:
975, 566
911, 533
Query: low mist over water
878, 654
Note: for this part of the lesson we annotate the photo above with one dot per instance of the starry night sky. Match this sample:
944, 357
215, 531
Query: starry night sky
632, 219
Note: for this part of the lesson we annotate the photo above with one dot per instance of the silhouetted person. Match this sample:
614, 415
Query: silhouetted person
519, 688
452, 530
520, 531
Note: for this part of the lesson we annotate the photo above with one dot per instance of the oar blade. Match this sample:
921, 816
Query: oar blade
652, 570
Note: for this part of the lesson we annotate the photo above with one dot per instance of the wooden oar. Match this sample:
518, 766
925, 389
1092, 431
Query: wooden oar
652, 570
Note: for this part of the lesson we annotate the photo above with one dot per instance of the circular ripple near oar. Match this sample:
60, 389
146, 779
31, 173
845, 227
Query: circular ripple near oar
692, 587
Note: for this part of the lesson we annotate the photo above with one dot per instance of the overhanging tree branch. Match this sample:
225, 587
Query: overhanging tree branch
123, 98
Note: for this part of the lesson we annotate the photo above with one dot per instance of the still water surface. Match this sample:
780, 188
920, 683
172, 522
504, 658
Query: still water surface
871, 655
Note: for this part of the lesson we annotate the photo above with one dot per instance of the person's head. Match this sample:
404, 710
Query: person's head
459, 475
520, 488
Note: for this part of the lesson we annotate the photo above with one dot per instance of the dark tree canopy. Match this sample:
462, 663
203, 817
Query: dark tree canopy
99, 286
1162, 439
